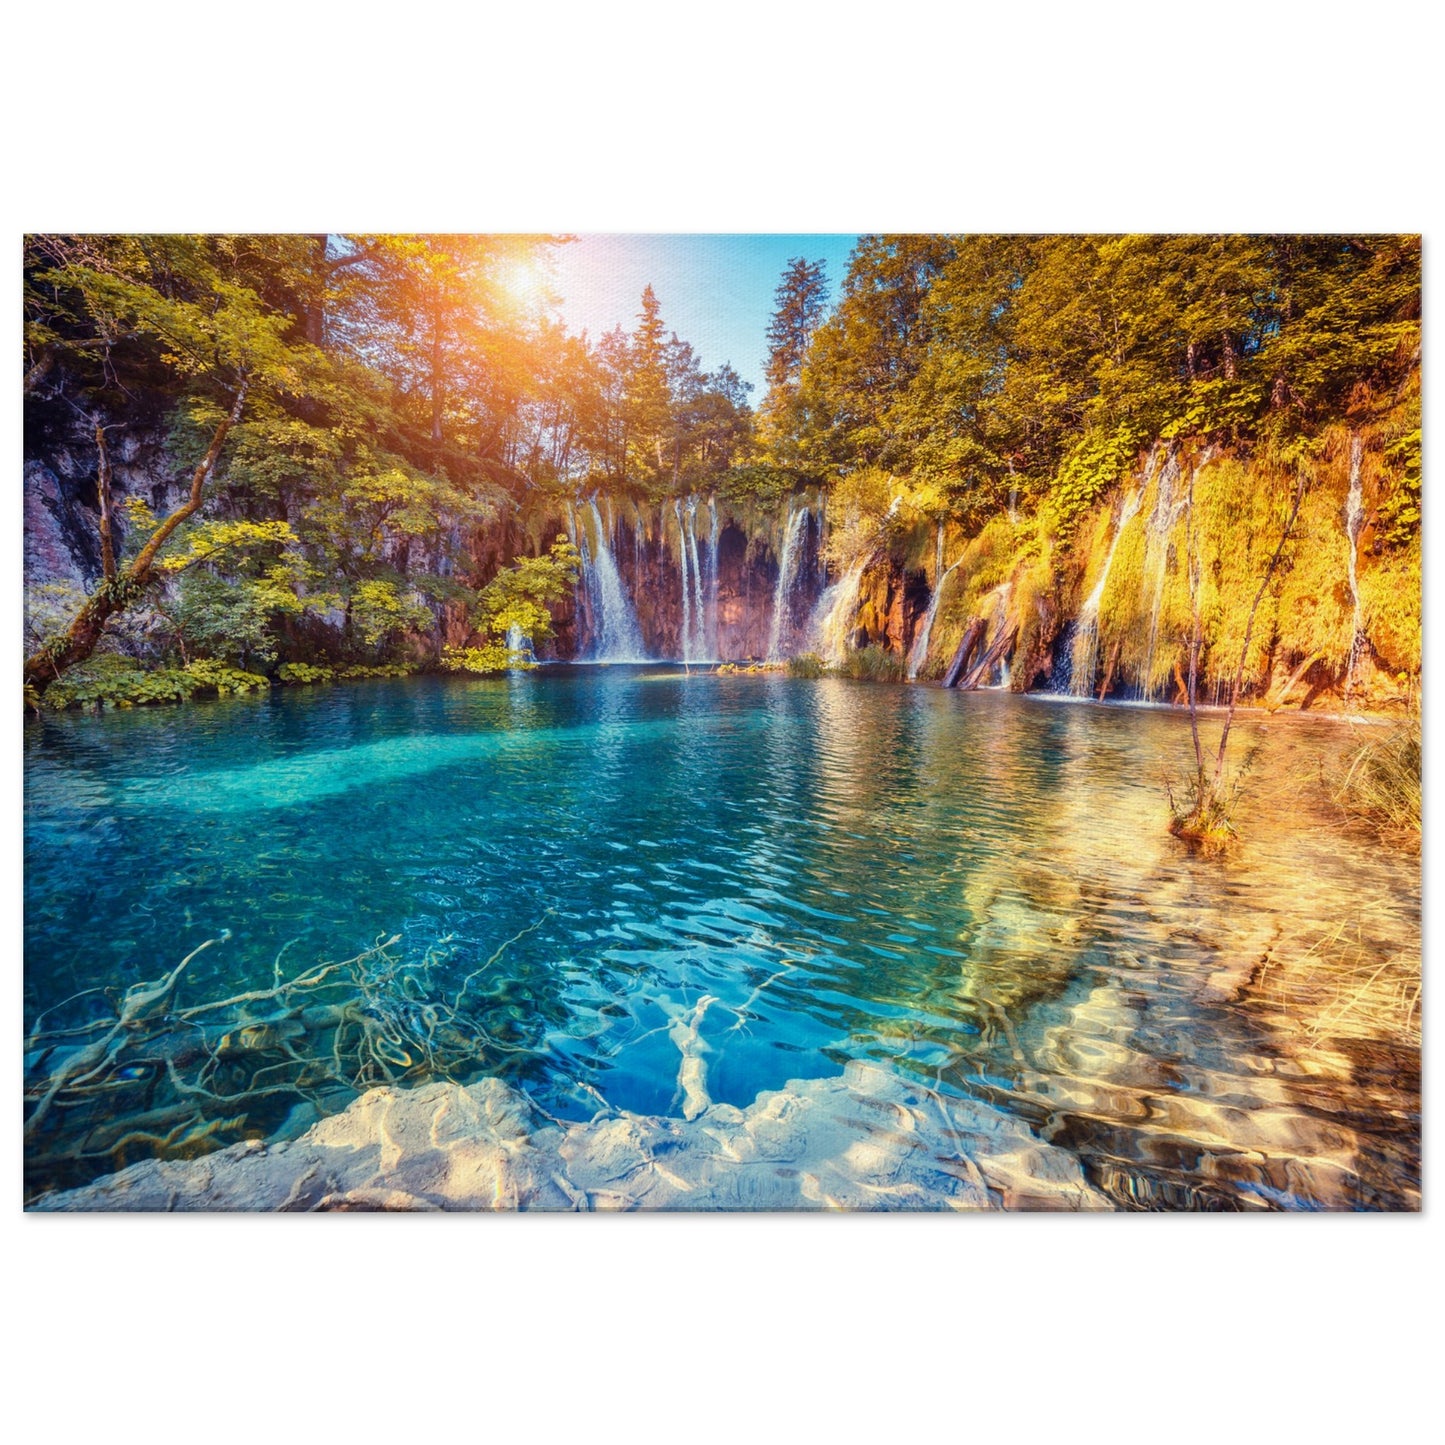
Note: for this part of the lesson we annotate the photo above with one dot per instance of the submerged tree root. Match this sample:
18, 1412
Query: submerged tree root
164, 1081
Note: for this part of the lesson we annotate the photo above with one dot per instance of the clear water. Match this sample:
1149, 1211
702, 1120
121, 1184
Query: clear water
975, 889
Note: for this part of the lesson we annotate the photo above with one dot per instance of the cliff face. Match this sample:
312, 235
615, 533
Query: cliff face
1102, 608
691, 579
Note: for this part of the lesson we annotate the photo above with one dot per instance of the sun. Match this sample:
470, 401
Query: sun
527, 284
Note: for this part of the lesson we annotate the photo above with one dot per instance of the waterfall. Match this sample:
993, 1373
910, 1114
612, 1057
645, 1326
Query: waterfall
1086, 628
918, 655
519, 647
685, 635
698, 646
710, 636
1163, 518
787, 572
619, 638
1354, 522
831, 629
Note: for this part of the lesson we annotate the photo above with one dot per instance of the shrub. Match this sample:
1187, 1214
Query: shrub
807, 664
107, 680
299, 673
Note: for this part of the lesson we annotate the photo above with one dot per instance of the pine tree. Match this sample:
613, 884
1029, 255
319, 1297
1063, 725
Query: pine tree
801, 303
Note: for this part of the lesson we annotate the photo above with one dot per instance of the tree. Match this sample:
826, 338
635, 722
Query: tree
800, 304
207, 328
648, 396
517, 602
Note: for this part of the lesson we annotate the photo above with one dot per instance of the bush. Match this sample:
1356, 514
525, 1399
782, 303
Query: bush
108, 680
807, 664
295, 674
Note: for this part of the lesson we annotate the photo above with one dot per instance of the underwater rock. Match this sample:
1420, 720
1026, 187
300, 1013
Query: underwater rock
868, 1140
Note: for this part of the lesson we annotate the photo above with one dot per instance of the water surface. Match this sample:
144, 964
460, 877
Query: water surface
976, 890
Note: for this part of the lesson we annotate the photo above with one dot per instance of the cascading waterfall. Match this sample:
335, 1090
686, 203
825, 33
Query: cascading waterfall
787, 576
685, 639
918, 654
712, 535
831, 629
1354, 521
698, 646
619, 639
1164, 516
693, 639
1086, 628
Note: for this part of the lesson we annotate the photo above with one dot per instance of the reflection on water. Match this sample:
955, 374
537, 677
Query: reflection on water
772, 878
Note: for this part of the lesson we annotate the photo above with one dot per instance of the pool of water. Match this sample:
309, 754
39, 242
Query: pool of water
976, 890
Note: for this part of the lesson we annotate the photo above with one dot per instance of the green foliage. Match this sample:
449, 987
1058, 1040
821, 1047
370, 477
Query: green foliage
861, 506
487, 658
211, 675
1398, 515
301, 673
518, 596
379, 611
220, 542
760, 483
807, 664
382, 669
1093, 465
108, 680
221, 618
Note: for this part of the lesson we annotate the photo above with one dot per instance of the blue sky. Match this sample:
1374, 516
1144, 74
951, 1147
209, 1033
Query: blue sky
714, 291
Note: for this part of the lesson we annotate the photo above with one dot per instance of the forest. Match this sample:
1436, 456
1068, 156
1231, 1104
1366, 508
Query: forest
257, 458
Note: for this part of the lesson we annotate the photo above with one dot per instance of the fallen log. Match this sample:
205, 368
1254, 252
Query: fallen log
1000, 645
972, 636
1282, 697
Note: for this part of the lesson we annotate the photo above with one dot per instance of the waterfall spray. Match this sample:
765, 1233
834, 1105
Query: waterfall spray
619, 639
1168, 508
833, 620
918, 654
1086, 628
684, 643
697, 646
787, 569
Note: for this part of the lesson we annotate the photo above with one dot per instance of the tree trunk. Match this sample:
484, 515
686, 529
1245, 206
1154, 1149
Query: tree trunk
1282, 697
102, 487
971, 636
1001, 645
116, 593
1299, 496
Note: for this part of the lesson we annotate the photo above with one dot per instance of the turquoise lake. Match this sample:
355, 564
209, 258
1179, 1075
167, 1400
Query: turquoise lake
976, 890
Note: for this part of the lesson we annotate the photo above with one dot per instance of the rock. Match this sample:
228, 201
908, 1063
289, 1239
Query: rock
868, 1140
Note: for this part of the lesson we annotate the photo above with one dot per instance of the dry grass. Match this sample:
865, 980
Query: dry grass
1381, 785
1341, 983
